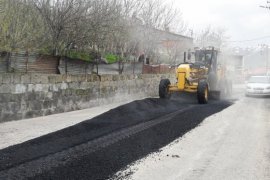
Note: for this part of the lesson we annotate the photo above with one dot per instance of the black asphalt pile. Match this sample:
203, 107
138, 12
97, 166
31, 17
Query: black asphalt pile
114, 120
102, 164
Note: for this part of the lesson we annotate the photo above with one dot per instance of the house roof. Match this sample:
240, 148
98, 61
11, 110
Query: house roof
166, 34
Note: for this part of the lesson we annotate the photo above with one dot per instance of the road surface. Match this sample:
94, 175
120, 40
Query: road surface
152, 139
233, 144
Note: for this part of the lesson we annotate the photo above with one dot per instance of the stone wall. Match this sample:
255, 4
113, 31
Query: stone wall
31, 95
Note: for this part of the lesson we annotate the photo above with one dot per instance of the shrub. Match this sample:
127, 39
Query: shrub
79, 55
111, 58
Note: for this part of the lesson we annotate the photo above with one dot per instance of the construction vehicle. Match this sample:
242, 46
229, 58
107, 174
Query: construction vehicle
204, 76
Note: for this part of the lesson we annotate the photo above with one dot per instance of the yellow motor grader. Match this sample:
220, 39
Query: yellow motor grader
203, 76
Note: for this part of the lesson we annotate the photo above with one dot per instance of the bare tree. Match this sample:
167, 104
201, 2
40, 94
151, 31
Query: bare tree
123, 27
20, 26
157, 15
61, 18
211, 37
175, 50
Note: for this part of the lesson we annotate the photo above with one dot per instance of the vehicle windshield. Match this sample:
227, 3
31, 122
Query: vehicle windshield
201, 56
259, 80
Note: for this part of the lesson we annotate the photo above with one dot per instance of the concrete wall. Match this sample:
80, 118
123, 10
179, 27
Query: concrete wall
30, 95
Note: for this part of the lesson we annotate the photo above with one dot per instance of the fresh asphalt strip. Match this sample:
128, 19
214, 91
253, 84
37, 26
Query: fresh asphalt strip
67, 154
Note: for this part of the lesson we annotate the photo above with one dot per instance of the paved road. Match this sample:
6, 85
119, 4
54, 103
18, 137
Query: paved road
16, 132
233, 144
222, 140
98, 148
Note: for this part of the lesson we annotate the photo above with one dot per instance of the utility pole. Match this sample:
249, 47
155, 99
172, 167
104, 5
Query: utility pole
267, 57
265, 51
267, 63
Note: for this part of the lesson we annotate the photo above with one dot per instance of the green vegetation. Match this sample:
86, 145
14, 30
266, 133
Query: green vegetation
79, 55
111, 58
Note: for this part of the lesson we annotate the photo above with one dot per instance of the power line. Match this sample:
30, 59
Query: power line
249, 40
255, 39
265, 7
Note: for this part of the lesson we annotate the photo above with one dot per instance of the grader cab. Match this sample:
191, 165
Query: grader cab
204, 76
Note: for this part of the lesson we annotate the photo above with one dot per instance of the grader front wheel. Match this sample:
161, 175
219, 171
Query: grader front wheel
164, 89
203, 92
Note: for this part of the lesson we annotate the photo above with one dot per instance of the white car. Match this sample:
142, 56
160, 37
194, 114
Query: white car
258, 86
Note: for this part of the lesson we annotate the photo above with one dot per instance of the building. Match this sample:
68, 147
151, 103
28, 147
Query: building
160, 46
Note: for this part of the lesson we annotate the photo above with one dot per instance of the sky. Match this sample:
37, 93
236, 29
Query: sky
242, 19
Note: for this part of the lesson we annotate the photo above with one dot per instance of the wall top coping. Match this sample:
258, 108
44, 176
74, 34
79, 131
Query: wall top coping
33, 78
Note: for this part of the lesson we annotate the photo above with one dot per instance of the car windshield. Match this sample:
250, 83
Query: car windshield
258, 79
